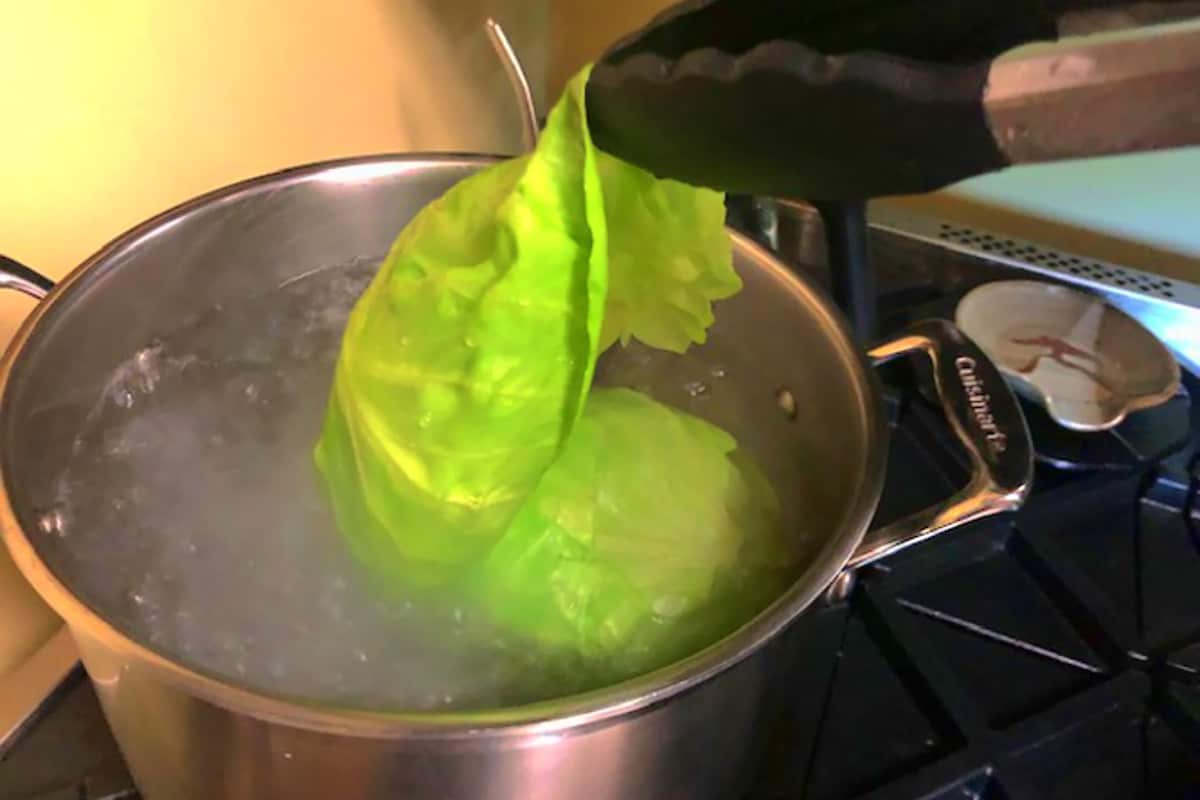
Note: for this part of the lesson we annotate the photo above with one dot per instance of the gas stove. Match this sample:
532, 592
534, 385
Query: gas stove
1054, 653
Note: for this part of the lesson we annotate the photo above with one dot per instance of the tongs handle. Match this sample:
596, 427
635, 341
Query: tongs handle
1097, 98
809, 100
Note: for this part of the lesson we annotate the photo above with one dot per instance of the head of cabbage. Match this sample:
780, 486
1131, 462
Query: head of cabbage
463, 441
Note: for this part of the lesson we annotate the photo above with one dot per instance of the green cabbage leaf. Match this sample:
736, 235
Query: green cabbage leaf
463, 445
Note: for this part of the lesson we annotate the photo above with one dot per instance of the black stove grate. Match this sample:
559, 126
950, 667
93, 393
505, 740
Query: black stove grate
1052, 654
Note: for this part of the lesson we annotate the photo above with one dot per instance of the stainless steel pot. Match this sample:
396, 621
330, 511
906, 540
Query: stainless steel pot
686, 731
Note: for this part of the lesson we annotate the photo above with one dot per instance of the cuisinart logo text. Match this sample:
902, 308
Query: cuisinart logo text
980, 402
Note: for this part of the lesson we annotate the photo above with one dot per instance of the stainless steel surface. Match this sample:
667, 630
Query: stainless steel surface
986, 419
27, 690
914, 248
1097, 98
14, 275
519, 80
1168, 307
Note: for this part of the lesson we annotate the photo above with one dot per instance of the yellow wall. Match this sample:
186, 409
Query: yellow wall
114, 110
581, 31
1139, 210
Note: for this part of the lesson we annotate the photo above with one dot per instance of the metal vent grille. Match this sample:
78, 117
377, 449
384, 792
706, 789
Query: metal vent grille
1169, 307
1093, 271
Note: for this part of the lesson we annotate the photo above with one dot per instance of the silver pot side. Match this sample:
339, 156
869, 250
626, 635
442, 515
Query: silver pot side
695, 745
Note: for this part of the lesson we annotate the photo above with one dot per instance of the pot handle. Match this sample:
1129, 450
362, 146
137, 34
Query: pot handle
14, 275
986, 418
28, 690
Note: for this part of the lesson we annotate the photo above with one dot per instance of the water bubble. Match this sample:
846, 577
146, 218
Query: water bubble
786, 402
146, 372
404, 341
250, 390
277, 598
124, 398
696, 388
53, 522
147, 358
718, 372
287, 756
425, 420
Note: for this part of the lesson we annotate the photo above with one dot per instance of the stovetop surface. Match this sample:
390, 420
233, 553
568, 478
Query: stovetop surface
1054, 653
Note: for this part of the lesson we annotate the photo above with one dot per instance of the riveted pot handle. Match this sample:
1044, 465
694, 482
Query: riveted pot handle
986, 418
14, 275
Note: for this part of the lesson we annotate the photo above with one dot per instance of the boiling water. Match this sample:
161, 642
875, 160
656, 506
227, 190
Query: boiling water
194, 506
197, 523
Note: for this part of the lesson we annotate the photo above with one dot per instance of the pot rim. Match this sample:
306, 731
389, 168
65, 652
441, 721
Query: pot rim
544, 718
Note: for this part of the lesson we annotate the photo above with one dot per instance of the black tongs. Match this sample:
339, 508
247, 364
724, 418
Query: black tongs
839, 101
849, 99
